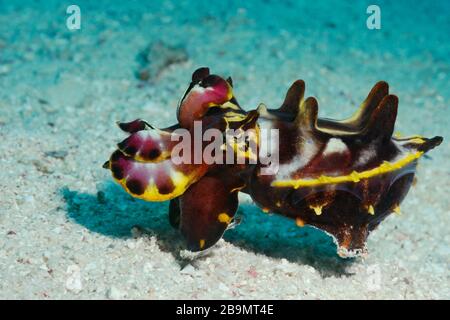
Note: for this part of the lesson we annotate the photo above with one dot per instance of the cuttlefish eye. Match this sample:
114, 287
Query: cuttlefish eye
210, 90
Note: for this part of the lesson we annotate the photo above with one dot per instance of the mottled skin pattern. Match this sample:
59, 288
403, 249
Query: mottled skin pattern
343, 177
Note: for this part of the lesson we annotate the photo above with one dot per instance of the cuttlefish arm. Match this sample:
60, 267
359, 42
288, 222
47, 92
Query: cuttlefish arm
205, 211
149, 145
143, 164
149, 181
134, 126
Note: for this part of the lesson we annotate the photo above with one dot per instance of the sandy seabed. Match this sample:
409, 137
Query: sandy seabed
68, 231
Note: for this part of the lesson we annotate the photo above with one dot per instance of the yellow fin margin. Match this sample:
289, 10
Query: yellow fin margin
355, 176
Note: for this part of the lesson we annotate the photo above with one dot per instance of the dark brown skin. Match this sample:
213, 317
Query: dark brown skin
343, 177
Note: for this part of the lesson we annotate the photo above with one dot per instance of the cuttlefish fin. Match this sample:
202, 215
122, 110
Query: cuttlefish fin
207, 208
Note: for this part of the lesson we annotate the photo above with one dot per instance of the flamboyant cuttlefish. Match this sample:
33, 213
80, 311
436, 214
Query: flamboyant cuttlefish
343, 177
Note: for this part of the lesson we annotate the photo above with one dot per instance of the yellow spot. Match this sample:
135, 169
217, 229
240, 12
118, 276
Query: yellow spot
397, 134
278, 204
397, 210
202, 243
265, 210
355, 176
317, 209
371, 210
224, 218
163, 156
299, 222
388, 166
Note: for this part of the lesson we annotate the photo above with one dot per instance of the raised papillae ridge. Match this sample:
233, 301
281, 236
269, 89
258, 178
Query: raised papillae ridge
343, 177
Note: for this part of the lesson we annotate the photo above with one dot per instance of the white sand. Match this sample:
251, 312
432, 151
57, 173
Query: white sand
65, 227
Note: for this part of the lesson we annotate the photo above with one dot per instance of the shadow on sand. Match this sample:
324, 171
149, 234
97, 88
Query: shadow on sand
112, 212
